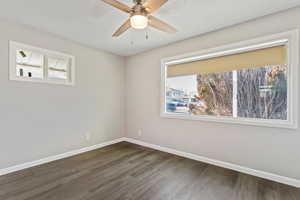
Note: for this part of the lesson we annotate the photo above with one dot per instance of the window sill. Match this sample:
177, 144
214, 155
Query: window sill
243, 121
47, 81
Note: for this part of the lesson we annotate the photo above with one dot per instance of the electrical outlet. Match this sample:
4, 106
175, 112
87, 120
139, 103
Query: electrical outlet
140, 132
87, 136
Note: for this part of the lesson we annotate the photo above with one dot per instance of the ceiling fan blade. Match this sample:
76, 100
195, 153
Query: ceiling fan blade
118, 5
122, 29
152, 5
160, 25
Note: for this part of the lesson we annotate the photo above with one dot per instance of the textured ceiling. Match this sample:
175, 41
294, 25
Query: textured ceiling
92, 22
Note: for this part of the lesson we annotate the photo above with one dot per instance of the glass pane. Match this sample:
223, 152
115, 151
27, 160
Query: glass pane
202, 94
57, 68
262, 92
180, 92
29, 64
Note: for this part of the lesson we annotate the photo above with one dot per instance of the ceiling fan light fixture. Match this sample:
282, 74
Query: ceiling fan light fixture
139, 21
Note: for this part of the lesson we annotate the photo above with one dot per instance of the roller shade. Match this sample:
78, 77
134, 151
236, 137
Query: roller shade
252, 59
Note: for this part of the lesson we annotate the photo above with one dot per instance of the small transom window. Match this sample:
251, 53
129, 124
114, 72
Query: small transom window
28, 63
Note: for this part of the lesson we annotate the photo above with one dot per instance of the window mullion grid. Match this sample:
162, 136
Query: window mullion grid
234, 94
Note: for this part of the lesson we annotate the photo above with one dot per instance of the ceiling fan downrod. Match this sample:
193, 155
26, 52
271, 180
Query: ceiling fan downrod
139, 2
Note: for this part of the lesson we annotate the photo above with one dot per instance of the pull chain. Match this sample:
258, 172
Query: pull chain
147, 33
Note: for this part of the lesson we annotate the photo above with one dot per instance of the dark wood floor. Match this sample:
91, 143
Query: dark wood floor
125, 171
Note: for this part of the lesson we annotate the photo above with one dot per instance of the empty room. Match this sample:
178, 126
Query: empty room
149, 100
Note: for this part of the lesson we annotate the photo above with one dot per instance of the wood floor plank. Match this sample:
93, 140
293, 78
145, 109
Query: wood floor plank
126, 171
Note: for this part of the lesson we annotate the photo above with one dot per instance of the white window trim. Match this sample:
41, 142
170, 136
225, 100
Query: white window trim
13, 46
290, 38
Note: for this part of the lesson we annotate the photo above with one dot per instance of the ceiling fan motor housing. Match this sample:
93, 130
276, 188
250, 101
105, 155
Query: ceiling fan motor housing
138, 9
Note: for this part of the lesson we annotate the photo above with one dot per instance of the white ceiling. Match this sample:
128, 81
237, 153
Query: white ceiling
92, 22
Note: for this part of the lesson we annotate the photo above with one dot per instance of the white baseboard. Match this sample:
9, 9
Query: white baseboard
258, 173
57, 157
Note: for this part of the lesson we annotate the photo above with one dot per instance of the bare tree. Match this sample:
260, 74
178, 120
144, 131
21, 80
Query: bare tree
214, 93
262, 93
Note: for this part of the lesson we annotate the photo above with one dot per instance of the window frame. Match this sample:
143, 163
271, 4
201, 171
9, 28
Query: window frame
289, 38
13, 46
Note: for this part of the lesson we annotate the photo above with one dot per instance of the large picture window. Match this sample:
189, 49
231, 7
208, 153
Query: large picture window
251, 82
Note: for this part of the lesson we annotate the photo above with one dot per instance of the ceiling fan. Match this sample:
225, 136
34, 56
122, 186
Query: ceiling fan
140, 16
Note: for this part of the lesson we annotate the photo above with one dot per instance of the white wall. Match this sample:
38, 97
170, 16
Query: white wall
40, 120
268, 149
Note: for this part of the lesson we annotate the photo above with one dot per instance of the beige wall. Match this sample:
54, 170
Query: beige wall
40, 120
269, 149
